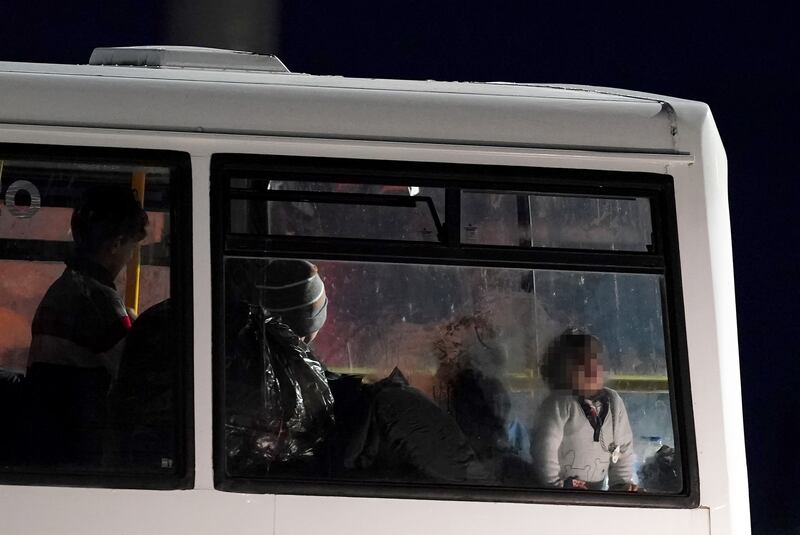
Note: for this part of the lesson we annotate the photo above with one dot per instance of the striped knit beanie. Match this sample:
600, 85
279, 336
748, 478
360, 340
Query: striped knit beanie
294, 291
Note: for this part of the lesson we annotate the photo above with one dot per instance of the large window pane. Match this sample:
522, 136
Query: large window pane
87, 358
434, 373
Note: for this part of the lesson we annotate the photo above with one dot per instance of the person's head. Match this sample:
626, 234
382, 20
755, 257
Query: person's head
573, 362
107, 225
294, 291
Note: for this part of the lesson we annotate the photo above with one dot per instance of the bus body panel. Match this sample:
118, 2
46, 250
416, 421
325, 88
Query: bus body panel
82, 511
38, 510
701, 197
639, 136
341, 113
67, 511
398, 517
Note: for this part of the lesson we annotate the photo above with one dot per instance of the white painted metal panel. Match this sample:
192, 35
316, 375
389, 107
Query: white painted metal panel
201, 286
556, 91
200, 144
709, 303
397, 114
304, 515
49, 511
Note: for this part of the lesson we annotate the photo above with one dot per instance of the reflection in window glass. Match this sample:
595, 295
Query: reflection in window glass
521, 219
366, 211
493, 219
85, 357
433, 374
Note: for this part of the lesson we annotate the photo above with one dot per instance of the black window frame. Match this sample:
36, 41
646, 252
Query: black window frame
181, 294
663, 259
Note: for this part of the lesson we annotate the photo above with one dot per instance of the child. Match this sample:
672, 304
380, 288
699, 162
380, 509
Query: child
582, 433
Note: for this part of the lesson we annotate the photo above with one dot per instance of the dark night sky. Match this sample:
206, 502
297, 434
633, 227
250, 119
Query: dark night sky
742, 62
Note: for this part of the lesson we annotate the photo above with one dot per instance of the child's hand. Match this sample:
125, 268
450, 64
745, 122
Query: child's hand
626, 487
574, 483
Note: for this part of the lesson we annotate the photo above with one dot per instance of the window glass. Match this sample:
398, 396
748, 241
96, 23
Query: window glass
438, 368
576, 222
86, 359
337, 210
440, 375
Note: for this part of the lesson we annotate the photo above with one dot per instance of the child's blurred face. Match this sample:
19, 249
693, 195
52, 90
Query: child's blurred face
587, 371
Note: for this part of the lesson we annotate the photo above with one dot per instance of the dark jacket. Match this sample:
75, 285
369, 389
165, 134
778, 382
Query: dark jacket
77, 339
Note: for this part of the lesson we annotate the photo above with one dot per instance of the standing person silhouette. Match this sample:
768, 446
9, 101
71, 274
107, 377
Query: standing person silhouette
79, 329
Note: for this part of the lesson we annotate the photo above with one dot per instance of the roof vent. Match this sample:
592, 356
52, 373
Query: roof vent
190, 57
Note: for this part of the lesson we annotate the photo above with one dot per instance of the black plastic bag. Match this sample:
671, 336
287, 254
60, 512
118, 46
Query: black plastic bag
279, 407
661, 472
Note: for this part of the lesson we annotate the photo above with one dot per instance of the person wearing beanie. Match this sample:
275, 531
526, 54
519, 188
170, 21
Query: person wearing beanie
338, 425
279, 405
295, 292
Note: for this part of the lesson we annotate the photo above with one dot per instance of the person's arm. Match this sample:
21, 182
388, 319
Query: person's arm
620, 473
548, 432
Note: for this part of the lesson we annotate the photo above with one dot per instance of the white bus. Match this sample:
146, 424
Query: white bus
467, 238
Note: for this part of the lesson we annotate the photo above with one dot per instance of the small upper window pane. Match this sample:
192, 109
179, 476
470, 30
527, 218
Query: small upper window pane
340, 210
558, 221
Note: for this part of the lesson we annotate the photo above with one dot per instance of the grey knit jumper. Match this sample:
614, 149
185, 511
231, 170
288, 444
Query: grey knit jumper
562, 444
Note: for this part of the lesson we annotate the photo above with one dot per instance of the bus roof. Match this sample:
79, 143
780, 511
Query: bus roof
300, 105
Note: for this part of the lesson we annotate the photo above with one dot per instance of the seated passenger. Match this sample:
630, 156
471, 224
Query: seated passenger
407, 437
279, 407
79, 328
385, 430
143, 400
472, 360
581, 434
295, 293
481, 405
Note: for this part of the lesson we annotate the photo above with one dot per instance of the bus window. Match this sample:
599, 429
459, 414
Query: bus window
562, 221
440, 367
314, 209
89, 290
